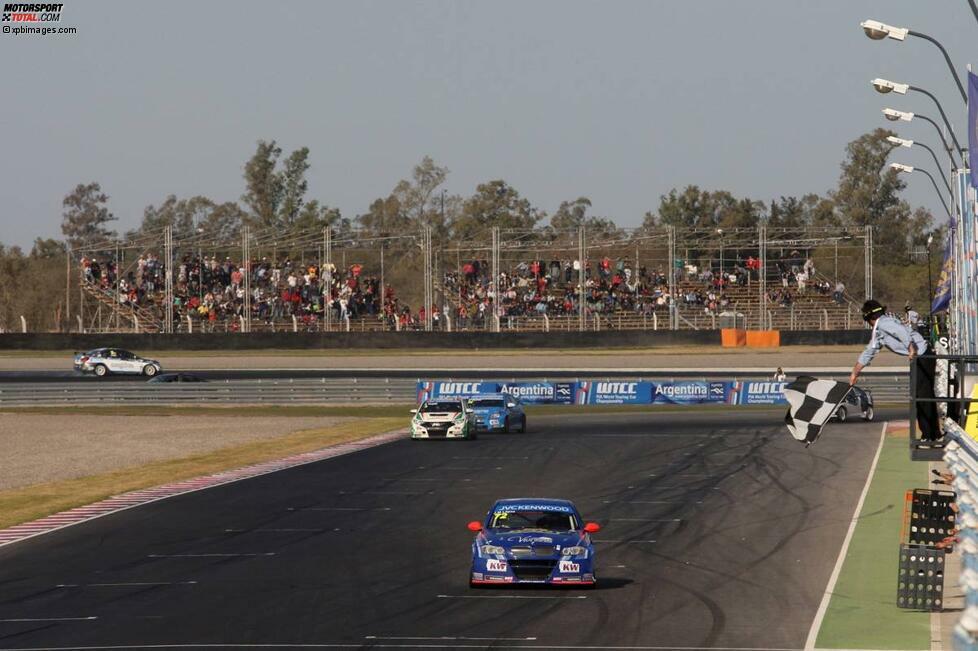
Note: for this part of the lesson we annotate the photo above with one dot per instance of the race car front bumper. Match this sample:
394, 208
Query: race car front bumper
563, 571
446, 430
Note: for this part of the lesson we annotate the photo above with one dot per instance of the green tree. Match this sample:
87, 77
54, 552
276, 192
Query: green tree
494, 204
294, 186
264, 186
85, 216
184, 216
571, 215
314, 216
696, 208
411, 205
48, 249
868, 189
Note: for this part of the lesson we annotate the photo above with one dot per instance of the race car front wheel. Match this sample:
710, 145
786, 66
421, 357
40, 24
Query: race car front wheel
842, 414
101, 370
149, 370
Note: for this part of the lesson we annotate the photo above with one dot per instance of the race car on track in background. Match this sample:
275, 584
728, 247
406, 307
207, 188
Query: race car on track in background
533, 540
443, 418
859, 401
499, 412
103, 361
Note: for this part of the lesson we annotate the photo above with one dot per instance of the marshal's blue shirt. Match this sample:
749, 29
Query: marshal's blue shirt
889, 331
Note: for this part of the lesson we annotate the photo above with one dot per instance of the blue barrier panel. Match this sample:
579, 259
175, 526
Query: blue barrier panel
540, 393
691, 392
759, 393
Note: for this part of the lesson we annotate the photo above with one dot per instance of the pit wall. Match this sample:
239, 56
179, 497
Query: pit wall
419, 340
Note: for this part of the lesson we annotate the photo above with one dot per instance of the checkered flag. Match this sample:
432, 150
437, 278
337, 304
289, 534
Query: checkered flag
811, 402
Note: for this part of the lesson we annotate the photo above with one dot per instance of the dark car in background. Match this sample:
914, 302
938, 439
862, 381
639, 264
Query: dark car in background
858, 401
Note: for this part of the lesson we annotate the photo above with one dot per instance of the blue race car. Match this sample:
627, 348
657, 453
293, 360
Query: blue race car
499, 412
533, 540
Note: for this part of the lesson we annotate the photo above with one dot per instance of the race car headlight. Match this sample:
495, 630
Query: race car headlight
460, 418
574, 551
492, 550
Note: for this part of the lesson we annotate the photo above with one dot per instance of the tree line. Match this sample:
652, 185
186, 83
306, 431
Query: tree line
276, 196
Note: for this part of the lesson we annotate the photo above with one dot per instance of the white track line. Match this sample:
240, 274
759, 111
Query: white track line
271, 530
507, 596
209, 555
114, 585
51, 619
449, 637
827, 595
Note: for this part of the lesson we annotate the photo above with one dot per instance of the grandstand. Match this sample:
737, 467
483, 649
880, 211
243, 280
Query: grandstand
681, 279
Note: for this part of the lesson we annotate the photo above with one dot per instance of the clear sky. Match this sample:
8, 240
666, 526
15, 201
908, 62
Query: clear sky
616, 100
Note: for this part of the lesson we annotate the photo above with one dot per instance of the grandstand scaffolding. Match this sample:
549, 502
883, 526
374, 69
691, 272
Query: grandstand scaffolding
584, 278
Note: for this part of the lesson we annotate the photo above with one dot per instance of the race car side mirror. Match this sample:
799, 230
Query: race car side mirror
475, 526
592, 527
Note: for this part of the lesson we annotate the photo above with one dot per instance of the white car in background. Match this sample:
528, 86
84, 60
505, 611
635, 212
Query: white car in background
103, 361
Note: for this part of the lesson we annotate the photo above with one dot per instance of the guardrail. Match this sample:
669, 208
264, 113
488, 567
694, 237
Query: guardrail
889, 388
961, 457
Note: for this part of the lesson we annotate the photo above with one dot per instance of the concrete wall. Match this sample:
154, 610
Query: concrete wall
402, 340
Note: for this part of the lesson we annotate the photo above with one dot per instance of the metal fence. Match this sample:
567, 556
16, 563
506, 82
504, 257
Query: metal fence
885, 388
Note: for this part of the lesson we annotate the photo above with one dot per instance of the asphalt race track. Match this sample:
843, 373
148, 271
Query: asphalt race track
719, 531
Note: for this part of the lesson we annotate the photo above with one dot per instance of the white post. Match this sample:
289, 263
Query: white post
397, 323
496, 325
713, 321
546, 322
81, 326
135, 323
295, 324
825, 313
23, 324
655, 321
242, 320
347, 319
448, 322
190, 324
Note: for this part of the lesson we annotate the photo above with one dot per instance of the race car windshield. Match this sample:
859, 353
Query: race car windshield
441, 406
486, 402
533, 521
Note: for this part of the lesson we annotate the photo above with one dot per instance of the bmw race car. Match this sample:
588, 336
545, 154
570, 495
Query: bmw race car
533, 540
103, 361
498, 412
443, 418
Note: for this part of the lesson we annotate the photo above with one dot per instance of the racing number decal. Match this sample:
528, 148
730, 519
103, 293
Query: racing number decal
567, 566
493, 565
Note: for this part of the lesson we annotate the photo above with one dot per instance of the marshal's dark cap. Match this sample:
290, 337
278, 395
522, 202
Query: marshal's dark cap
872, 309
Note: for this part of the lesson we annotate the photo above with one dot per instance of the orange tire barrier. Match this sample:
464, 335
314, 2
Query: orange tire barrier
732, 337
763, 338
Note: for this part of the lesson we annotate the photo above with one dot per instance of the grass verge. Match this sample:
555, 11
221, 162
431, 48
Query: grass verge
862, 613
31, 502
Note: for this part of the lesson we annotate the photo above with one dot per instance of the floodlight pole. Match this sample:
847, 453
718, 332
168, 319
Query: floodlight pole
940, 108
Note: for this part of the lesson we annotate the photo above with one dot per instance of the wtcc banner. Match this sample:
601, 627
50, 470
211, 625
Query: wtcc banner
690, 392
758, 393
531, 393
